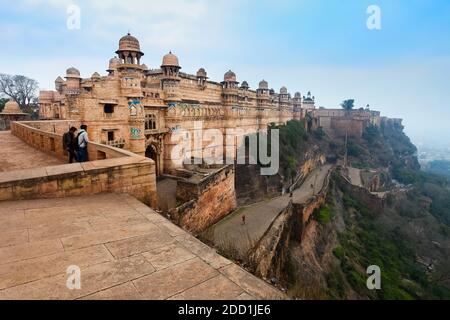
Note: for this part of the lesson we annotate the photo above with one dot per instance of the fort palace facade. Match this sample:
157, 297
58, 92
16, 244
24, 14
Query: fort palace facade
140, 109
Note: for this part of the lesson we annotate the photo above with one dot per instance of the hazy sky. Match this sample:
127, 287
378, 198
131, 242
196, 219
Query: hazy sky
403, 70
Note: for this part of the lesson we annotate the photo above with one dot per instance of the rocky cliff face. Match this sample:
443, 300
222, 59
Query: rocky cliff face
294, 230
316, 256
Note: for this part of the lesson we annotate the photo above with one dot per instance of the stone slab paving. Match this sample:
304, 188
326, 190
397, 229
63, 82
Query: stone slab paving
231, 232
355, 176
16, 154
124, 250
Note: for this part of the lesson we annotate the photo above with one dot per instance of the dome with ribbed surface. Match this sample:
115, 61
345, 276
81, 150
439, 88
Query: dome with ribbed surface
283, 90
114, 60
72, 73
113, 63
245, 85
229, 76
297, 95
11, 107
129, 43
59, 80
95, 75
170, 60
264, 85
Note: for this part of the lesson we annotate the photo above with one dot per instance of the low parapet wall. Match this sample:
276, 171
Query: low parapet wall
112, 170
205, 202
36, 135
305, 210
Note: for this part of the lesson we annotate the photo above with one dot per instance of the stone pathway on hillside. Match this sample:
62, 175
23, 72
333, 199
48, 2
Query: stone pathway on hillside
355, 176
16, 154
124, 250
230, 234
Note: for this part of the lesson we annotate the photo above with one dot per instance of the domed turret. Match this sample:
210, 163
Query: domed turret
129, 50
264, 85
144, 67
201, 73
73, 81
283, 90
170, 65
113, 65
11, 107
229, 76
59, 82
114, 62
72, 73
245, 85
170, 60
129, 43
308, 97
202, 76
297, 95
95, 75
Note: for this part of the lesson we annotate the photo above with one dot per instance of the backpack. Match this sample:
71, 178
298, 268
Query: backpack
77, 143
66, 140
76, 146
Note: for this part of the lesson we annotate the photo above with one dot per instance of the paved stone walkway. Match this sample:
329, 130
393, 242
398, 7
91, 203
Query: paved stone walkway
124, 251
355, 176
16, 154
230, 233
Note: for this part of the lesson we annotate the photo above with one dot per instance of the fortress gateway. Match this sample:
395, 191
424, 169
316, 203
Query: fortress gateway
141, 109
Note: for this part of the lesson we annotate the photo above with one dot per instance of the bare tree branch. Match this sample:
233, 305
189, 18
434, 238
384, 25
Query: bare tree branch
19, 88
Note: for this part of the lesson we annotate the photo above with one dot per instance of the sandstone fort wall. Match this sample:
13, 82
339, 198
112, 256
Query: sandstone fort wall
113, 170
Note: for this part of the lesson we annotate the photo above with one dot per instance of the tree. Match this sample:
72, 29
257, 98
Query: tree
3, 101
19, 88
348, 104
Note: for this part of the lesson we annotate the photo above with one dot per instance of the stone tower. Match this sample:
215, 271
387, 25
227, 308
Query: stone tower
263, 101
170, 80
127, 67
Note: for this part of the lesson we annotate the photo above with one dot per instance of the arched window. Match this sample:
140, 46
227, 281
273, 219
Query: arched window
150, 122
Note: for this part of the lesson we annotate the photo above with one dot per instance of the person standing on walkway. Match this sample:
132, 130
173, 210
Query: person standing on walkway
243, 219
70, 144
83, 141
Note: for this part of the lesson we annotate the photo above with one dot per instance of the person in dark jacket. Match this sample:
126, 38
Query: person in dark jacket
70, 143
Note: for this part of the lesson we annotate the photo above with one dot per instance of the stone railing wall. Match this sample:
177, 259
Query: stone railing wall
271, 253
205, 202
110, 170
305, 210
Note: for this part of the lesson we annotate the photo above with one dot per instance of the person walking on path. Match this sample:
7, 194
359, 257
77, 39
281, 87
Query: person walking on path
83, 140
243, 219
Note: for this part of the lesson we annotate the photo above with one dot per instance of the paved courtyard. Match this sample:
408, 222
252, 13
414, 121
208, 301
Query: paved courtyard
16, 154
124, 251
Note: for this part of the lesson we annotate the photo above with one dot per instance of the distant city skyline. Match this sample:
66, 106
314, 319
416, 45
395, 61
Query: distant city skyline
324, 47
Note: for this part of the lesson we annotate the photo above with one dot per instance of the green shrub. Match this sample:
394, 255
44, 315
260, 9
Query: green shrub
338, 252
323, 214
